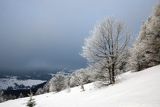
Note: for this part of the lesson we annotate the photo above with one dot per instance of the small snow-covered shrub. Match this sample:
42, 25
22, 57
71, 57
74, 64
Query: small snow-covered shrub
31, 102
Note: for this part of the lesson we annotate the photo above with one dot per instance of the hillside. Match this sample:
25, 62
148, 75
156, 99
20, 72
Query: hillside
140, 89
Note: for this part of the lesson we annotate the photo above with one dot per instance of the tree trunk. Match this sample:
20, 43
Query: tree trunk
110, 75
113, 74
82, 87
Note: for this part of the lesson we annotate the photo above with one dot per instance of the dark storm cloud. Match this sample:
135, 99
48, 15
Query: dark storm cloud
50, 33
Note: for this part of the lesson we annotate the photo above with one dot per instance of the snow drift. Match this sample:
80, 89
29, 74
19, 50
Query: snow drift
139, 89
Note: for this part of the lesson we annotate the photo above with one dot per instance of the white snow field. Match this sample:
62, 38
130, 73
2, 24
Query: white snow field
140, 89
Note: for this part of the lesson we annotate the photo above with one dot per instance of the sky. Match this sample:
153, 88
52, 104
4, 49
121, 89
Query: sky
49, 34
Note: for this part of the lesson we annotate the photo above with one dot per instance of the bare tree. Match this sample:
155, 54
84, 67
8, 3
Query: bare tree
107, 46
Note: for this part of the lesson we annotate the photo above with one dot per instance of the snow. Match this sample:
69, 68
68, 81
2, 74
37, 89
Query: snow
140, 89
5, 82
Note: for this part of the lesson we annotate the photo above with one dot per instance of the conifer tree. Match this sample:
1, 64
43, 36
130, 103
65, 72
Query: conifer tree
146, 51
31, 102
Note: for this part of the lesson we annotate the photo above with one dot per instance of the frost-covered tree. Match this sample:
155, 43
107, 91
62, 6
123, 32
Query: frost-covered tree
46, 87
90, 74
107, 46
146, 51
82, 76
58, 82
79, 78
40, 91
68, 82
1, 96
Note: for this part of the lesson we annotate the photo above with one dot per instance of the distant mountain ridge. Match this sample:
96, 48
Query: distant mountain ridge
11, 82
40, 74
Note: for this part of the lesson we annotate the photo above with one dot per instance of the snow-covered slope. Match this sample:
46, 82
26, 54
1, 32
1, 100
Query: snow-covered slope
141, 89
